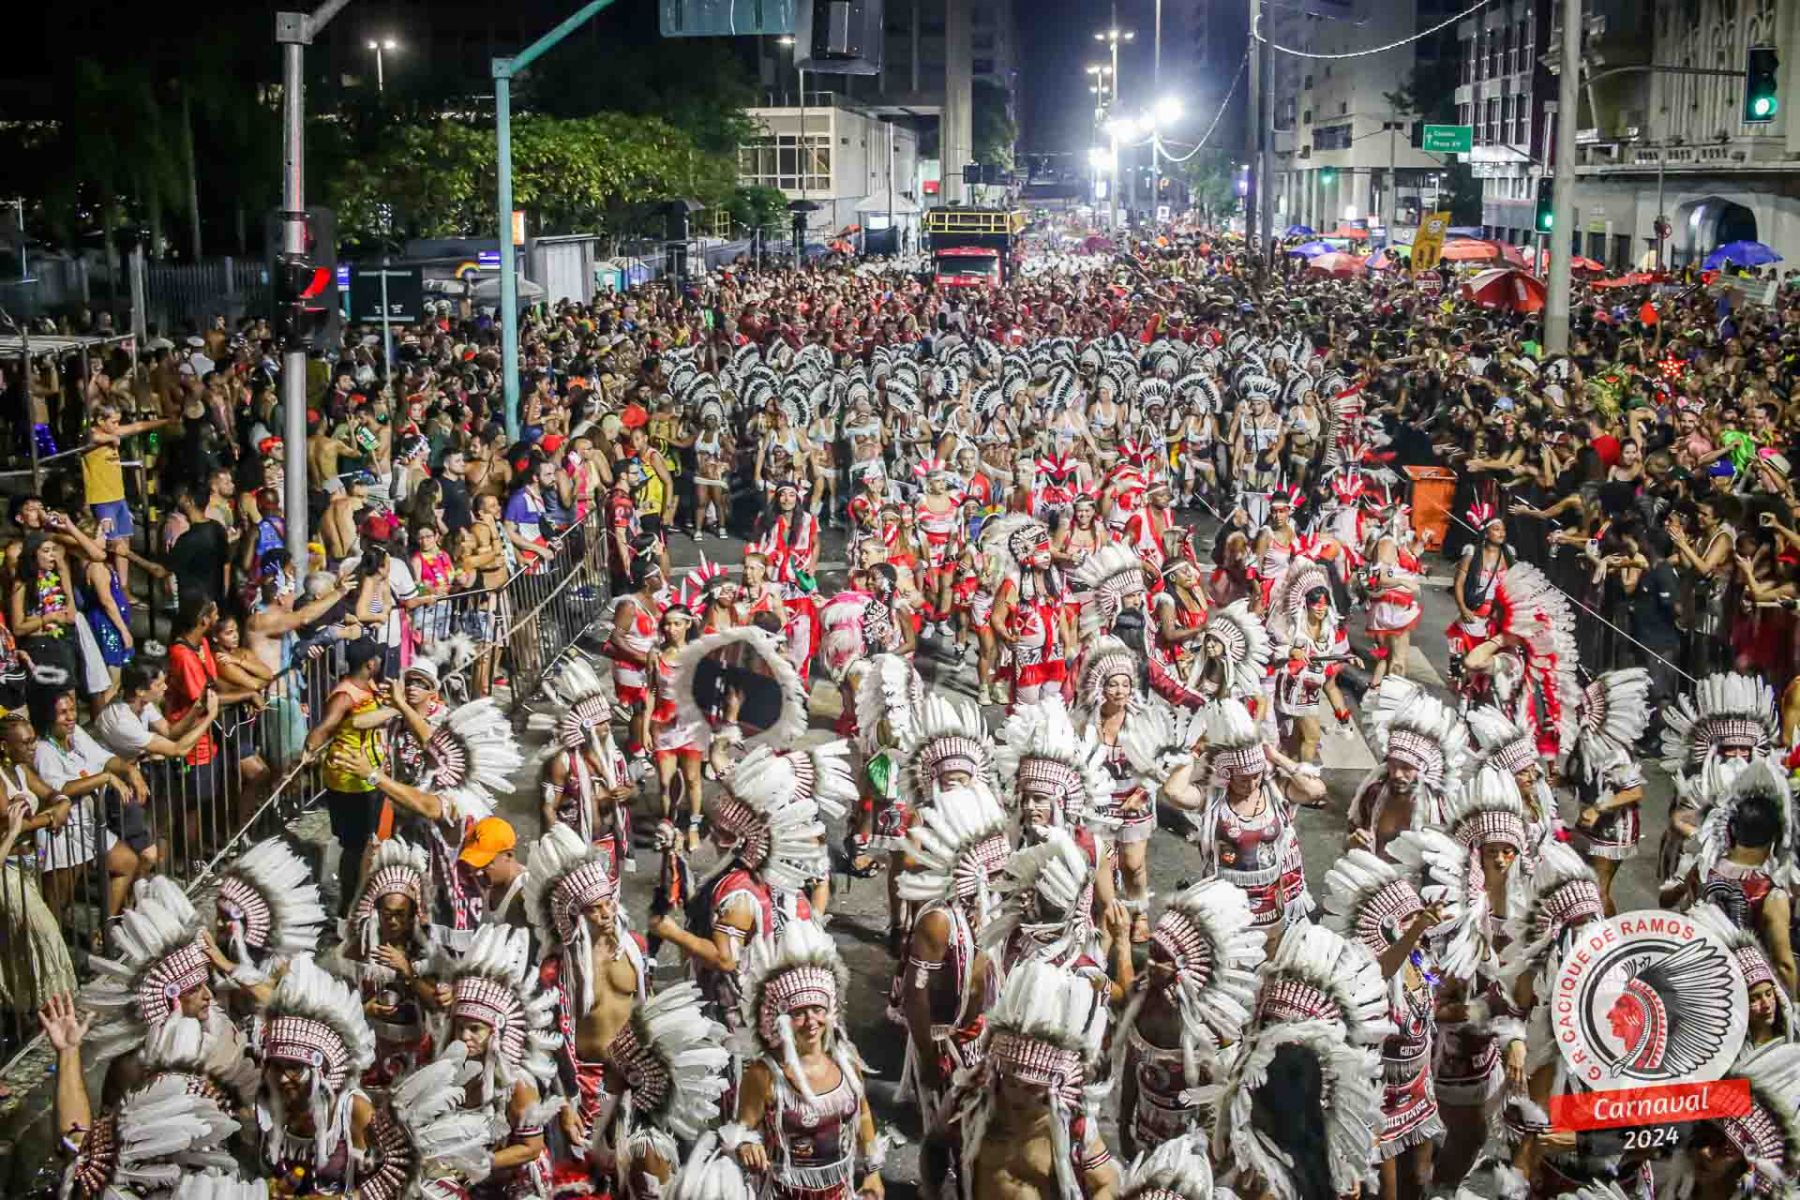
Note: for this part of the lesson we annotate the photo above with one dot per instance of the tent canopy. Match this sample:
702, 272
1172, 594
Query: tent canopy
901, 206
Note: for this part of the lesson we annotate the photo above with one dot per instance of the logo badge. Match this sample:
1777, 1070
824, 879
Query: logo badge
1648, 998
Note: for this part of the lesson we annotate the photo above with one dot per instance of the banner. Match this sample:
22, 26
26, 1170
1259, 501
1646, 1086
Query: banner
1428, 243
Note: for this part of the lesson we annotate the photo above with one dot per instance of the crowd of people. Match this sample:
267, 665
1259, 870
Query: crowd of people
1154, 507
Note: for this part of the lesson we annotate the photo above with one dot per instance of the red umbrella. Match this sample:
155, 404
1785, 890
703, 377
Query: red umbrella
1578, 263
1351, 232
1635, 279
1471, 250
1506, 288
1338, 264
1514, 255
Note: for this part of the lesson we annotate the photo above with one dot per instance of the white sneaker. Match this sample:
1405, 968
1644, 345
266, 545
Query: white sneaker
699, 536
986, 695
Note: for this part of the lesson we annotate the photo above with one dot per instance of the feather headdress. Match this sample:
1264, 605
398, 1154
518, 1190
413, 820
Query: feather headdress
948, 737
1108, 576
157, 960
157, 1135
1046, 893
495, 983
471, 758
676, 1070
800, 969
1407, 724
270, 904
1563, 896
316, 1022
1040, 753
958, 849
770, 809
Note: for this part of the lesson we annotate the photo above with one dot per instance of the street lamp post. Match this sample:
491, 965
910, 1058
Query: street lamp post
1112, 37
379, 46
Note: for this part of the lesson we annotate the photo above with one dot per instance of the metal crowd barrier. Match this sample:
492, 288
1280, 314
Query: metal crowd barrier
257, 779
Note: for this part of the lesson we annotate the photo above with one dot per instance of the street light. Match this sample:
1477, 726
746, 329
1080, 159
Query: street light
1167, 110
1112, 37
379, 47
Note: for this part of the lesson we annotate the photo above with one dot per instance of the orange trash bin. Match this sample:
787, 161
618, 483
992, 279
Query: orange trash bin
1433, 490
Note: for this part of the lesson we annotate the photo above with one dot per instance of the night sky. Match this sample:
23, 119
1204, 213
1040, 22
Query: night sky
1056, 44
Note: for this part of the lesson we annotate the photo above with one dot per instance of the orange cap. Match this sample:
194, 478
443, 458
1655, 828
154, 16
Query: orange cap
490, 838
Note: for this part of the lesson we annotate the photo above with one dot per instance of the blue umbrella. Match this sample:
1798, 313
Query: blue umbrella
1312, 249
1298, 231
1743, 254
1468, 231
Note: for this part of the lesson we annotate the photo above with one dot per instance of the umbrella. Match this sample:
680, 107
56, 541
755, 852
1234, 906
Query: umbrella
1338, 264
1465, 231
1577, 263
1742, 254
1635, 279
1311, 249
1506, 288
1514, 255
1385, 260
1351, 232
1471, 250
1294, 231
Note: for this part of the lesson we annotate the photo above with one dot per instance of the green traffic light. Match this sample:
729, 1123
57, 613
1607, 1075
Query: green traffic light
1763, 106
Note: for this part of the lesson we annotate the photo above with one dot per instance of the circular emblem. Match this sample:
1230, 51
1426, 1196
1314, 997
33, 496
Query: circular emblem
1648, 997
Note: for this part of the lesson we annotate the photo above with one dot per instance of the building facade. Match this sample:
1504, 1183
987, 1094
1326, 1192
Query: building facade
1506, 95
1349, 157
858, 168
1677, 145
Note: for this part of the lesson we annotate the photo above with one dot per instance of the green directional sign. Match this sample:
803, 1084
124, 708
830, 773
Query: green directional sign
1449, 139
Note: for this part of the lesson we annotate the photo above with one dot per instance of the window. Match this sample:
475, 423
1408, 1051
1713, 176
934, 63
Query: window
1521, 120
1307, 83
1466, 51
1462, 114
982, 66
1343, 107
775, 161
1505, 117
1332, 137
1306, 117
1491, 130
1506, 49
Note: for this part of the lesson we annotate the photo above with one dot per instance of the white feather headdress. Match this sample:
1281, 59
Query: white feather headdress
1317, 974
676, 1070
1563, 895
1615, 711
1234, 651
1108, 575
1179, 1169
317, 1022
425, 1134
271, 903
958, 849
1039, 749
1404, 721
496, 983
158, 959
890, 692
767, 650
158, 1134
471, 758
1762, 780
949, 736
771, 807
1724, 710
1046, 895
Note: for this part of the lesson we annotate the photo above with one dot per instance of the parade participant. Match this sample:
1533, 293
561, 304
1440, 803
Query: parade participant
1422, 746
1242, 815
956, 850
1108, 582
1024, 1121
180, 1121
1230, 658
1084, 535
1185, 1012
1473, 866
1107, 704
766, 824
758, 593
1311, 647
1709, 739
1744, 864
430, 1148
791, 544
1058, 482
1477, 584
268, 912
1609, 784
1274, 545
1758, 1152
160, 971
1028, 616
1056, 779
890, 698
1300, 1111
390, 954
507, 1026
865, 507
1501, 743
1772, 1016
314, 1117
631, 645
1046, 914
1180, 615
595, 968
1370, 903
678, 739
1392, 579
1178, 1169
585, 780
803, 1121
1153, 530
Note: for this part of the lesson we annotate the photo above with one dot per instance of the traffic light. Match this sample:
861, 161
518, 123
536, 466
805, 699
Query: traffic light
1328, 176
1546, 211
1761, 67
303, 286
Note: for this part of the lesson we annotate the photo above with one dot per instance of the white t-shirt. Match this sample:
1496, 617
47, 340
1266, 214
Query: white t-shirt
83, 758
125, 732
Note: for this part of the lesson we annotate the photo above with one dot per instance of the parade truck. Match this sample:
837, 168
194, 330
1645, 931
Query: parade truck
974, 247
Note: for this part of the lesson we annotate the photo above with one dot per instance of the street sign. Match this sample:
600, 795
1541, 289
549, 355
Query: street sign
1448, 139
726, 18
1428, 243
405, 294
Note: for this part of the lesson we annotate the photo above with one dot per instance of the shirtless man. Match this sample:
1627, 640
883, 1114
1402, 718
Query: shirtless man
322, 451
274, 619
596, 971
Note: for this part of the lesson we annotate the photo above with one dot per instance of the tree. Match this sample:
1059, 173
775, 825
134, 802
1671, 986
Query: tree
1212, 182
758, 207
992, 130
603, 172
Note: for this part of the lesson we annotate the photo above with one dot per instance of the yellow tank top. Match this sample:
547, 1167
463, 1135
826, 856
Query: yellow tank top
368, 741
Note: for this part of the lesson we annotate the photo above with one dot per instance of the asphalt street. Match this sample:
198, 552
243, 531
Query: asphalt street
858, 909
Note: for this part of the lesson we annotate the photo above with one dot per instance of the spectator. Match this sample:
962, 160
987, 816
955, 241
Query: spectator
71, 762
197, 550
34, 961
352, 726
133, 726
103, 480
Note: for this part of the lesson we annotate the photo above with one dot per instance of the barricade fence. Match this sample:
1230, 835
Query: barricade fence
250, 775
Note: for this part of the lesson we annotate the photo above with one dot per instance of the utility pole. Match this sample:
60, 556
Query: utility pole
1156, 99
294, 32
1562, 194
1253, 131
1265, 195
504, 69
